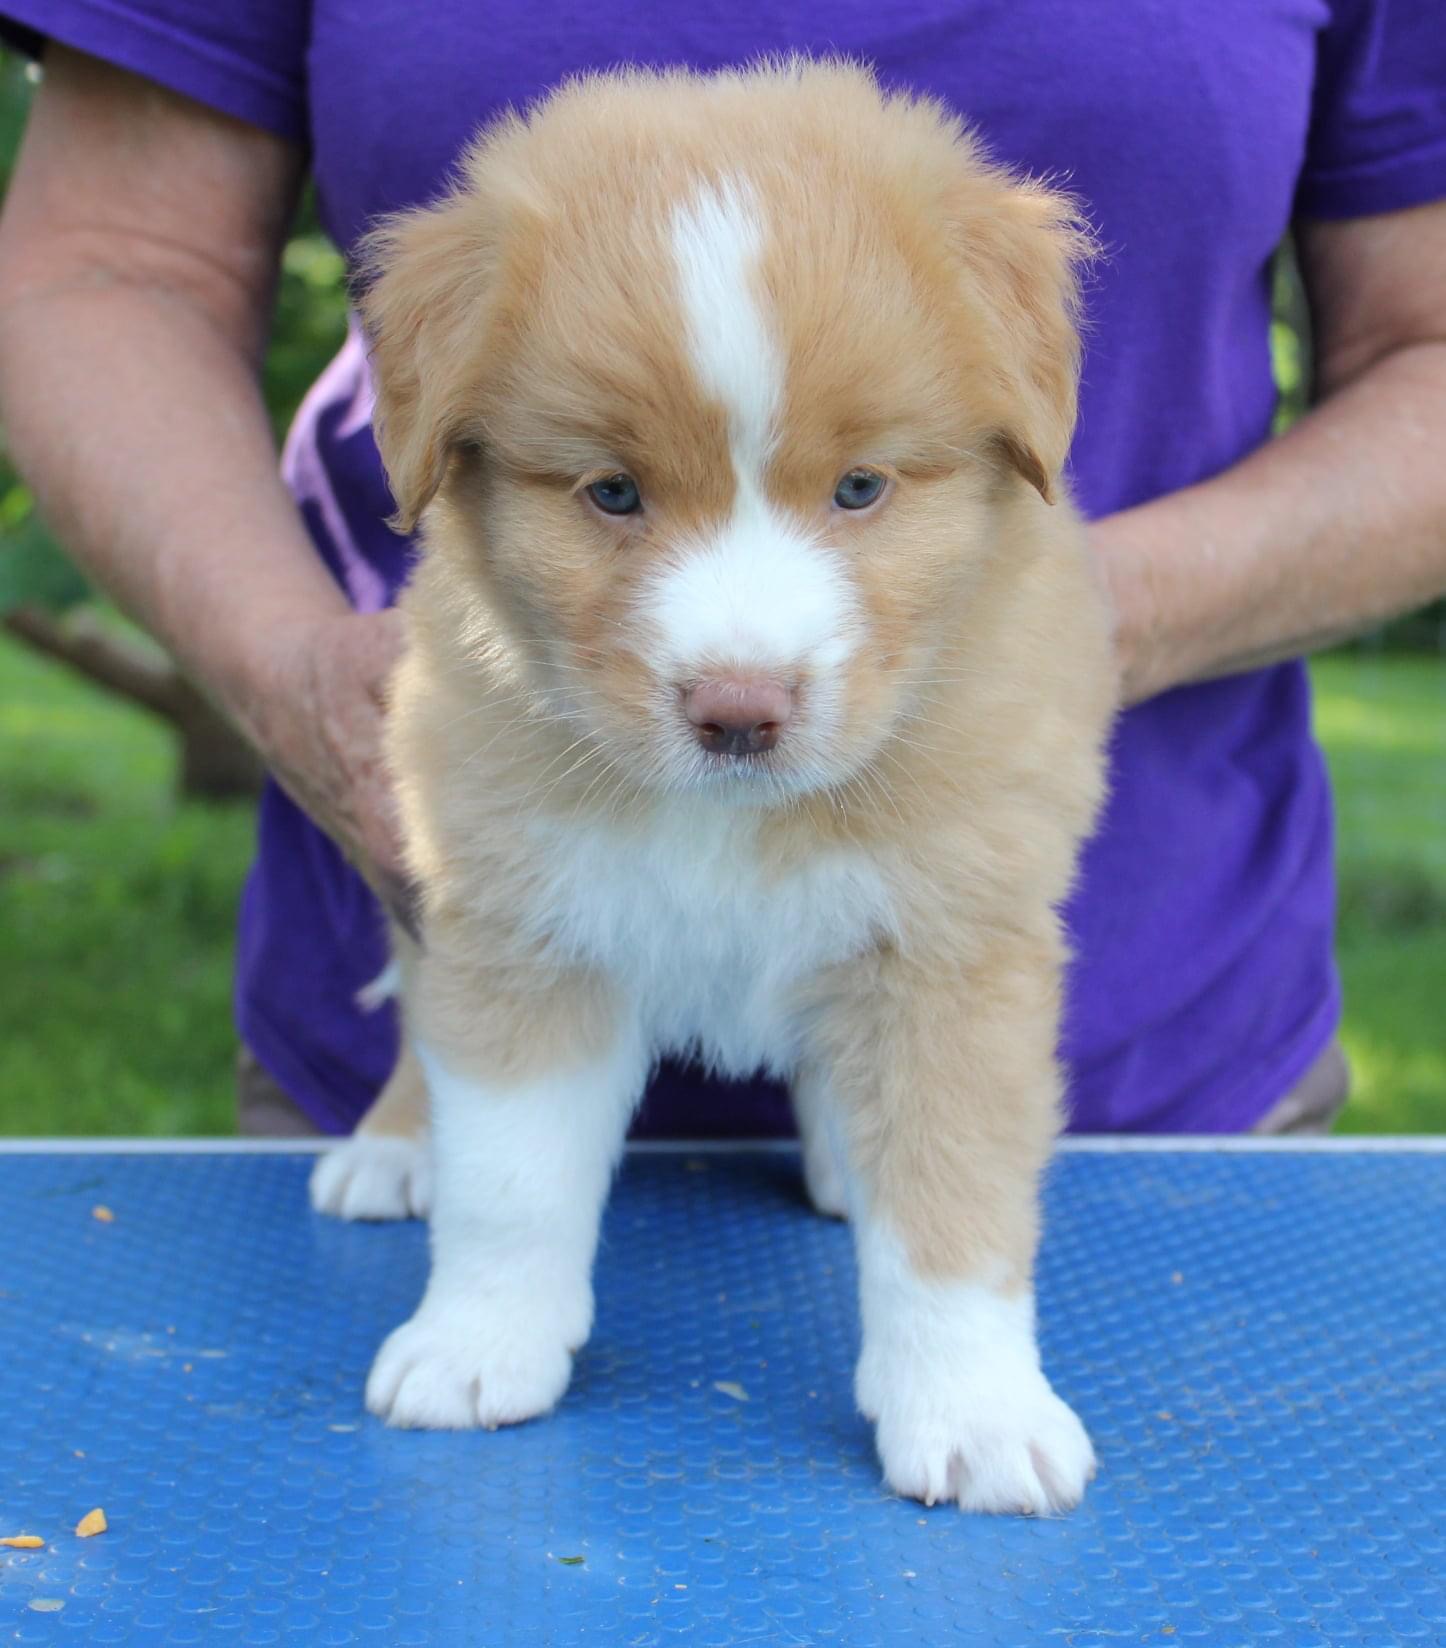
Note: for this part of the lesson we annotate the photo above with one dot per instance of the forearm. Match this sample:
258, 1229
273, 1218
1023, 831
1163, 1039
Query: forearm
140, 427
139, 249
1338, 525
142, 430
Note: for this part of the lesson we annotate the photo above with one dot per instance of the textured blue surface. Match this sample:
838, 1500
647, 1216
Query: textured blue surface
1256, 1342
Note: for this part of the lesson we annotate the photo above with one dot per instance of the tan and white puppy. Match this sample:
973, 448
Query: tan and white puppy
753, 708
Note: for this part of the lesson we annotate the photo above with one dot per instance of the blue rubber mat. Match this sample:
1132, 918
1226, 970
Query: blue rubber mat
1256, 1342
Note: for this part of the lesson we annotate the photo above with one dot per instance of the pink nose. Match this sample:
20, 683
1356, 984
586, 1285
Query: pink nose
739, 714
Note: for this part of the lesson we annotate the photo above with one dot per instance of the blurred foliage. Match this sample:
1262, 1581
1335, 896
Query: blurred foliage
1289, 339
1382, 721
17, 80
119, 918
32, 569
310, 318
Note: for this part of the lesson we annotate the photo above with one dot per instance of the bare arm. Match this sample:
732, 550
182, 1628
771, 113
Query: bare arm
1339, 524
139, 250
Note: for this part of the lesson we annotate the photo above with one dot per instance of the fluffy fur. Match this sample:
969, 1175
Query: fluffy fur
737, 289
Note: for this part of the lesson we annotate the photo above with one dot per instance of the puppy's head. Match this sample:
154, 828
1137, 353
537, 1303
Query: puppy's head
718, 387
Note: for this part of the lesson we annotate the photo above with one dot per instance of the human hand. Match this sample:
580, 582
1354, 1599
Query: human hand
316, 703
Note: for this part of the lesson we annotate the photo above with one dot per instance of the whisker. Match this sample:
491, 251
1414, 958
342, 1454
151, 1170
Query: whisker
582, 761
477, 754
892, 756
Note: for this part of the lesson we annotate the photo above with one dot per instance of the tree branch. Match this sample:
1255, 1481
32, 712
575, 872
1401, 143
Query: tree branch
215, 759
110, 660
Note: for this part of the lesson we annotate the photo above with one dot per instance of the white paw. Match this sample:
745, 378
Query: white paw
456, 1366
374, 1176
822, 1177
1000, 1442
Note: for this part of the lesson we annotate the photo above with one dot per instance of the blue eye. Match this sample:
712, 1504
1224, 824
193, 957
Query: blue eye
859, 488
616, 495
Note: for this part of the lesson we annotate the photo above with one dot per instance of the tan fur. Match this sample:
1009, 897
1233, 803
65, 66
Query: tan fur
527, 339
400, 1110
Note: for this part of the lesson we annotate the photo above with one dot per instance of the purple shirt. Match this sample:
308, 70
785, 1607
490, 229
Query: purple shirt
1204, 984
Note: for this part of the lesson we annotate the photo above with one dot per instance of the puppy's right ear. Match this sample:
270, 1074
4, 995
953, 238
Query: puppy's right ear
429, 278
1022, 247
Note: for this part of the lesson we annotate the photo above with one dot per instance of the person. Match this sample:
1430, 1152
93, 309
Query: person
138, 257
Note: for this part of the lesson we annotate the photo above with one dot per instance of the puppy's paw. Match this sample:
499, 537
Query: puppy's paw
374, 1176
1002, 1444
822, 1177
458, 1365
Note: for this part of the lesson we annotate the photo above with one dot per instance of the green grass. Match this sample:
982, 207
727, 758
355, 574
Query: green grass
117, 906
1382, 719
116, 915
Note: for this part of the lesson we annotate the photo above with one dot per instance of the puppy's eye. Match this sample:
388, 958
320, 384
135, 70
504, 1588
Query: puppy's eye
860, 488
616, 495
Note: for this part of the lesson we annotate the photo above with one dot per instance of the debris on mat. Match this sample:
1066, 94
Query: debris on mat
92, 1523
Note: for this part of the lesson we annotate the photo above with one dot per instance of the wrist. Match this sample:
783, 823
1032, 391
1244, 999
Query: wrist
260, 669
1131, 580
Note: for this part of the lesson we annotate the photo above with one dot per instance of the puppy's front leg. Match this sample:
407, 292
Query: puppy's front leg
523, 1152
951, 1091
823, 1177
383, 1171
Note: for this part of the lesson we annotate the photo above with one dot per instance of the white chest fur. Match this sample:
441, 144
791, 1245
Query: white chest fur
708, 939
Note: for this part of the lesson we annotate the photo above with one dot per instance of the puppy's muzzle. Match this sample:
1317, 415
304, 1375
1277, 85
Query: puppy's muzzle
738, 715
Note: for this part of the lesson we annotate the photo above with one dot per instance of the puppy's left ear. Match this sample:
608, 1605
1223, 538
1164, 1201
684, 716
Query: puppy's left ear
1023, 246
429, 281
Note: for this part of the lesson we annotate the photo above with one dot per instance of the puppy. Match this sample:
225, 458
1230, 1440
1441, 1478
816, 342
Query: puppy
753, 707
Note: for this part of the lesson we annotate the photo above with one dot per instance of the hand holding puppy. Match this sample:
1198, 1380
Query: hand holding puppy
315, 710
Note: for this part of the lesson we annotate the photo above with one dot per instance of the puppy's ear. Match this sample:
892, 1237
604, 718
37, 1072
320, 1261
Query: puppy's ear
429, 278
1023, 246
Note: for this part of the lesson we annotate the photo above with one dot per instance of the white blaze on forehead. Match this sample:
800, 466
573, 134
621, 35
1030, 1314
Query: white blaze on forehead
760, 594
717, 237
